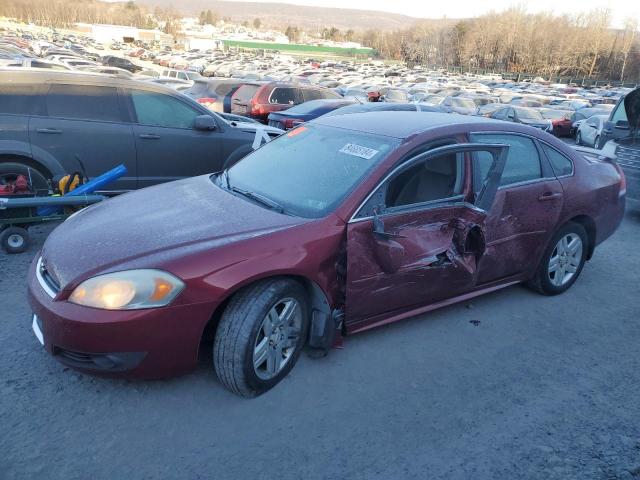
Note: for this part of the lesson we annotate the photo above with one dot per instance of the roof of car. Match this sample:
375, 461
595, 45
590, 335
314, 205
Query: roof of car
399, 124
38, 76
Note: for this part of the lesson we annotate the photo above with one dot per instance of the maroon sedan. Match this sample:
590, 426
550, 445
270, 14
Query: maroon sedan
341, 225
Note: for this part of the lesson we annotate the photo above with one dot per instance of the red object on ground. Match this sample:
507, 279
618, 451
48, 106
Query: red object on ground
20, 186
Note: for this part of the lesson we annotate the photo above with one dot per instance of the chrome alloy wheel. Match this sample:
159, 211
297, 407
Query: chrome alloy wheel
565, 259
277, 338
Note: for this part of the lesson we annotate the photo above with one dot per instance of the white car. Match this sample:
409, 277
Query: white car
590, 131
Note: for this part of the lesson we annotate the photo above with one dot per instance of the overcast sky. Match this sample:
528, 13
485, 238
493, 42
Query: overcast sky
471, 8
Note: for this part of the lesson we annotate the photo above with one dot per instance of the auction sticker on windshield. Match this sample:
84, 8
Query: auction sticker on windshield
358, 151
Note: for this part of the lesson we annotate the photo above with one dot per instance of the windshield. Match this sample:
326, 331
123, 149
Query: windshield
311, 169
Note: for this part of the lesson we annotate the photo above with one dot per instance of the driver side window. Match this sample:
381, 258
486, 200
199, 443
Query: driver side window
434, 179
160, 110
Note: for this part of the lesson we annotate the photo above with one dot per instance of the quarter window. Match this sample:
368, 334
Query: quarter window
523, 161
18, 99
85, 102
561, 164
283, 96
162, 110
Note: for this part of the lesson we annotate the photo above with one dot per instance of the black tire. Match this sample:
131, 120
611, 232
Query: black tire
596, 143
541, 282
14, 240
238, 332
10, 170
578, 139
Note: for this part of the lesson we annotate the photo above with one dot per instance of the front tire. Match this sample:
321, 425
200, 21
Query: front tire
563, 260
260, 336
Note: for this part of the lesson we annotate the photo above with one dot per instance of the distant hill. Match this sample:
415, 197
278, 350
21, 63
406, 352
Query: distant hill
281, 14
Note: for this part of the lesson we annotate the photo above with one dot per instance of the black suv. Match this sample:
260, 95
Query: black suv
621, 137
50, 119
119, 62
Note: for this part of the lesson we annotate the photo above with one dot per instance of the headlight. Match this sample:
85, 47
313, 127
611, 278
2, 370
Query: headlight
128, 290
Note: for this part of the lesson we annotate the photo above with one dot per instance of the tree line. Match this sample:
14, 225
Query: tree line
581, 45
515, 41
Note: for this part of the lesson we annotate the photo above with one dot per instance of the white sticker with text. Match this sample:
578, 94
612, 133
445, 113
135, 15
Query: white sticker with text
358, 151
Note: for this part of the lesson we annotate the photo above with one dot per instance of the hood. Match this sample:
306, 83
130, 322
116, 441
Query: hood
166, 220
632, 107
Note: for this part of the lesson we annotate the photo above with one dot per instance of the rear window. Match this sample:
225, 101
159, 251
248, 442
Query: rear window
87, 102
19, 100
285, 95
245, 93
224, 89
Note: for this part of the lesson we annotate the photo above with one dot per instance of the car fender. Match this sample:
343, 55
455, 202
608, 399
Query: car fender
40, 156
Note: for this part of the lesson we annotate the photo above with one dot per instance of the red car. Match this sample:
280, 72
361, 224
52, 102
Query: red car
257, 100
341, 225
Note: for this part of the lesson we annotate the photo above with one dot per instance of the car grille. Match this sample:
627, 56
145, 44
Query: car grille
46, 280
628, 156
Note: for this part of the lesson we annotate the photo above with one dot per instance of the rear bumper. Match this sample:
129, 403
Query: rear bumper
154, 343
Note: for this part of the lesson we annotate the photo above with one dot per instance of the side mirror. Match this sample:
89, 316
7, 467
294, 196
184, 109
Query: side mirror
205, 123
622, 124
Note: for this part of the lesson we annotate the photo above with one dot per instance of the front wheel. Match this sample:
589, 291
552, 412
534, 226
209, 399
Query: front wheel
562, 261
260, 336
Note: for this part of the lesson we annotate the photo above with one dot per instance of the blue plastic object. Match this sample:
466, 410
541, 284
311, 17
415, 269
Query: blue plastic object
89, 187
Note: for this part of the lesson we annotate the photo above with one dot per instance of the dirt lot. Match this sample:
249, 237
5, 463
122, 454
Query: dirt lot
513, 385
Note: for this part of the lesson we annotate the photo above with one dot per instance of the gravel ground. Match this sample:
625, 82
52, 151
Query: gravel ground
513, 385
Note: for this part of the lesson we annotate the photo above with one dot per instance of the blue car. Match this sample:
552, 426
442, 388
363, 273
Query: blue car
294, 116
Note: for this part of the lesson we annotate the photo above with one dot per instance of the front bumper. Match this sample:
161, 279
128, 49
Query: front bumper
153, 343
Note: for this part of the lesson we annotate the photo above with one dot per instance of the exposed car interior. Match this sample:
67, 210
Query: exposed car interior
434, 179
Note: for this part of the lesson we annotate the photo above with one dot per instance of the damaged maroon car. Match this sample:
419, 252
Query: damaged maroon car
341, 225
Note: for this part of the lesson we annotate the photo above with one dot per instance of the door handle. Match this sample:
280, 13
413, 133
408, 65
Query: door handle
48, 130
549, 196
150, 136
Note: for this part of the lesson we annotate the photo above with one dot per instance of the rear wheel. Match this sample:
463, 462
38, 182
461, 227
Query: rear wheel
14, 240
260, 336
10, 171
562, 261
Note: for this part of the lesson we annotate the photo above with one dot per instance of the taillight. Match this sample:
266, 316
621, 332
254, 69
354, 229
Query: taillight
290, 123
623, 181
206, 101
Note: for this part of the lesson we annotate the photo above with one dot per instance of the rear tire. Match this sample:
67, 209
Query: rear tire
562, 261
260, 336
14, 240
9, 171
